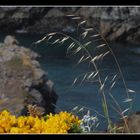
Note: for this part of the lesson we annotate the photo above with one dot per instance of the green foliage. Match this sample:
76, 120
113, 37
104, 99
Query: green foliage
75, 129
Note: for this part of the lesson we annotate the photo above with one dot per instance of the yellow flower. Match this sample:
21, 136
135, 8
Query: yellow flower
4, 113
21, 121
14, 130
58, 123
1, 130
6, 120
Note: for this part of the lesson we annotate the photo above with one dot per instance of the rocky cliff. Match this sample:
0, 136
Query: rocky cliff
115, 23
22, 81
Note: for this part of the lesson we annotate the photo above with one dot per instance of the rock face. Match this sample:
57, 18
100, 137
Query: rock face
22, 81
132, 124
115, 23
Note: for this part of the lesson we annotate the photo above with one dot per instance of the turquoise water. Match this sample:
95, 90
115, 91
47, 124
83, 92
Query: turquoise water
62, 71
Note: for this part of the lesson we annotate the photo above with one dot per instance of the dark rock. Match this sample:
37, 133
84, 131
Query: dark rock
9, 40
134, 123
116, 23
131, 124
22, 81
35, 98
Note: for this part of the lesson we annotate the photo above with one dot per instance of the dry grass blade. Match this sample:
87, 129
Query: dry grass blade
56, 41
127, 100
83, 22
41, 40
51, 34
84, 34
80, 60
131, 91
70, 15
95, 74
76, 18
75, 108
125, 110
50, 37
38, 42
64, 39
103, 84
106, 78
90, 75
96, 40
81, 109
75, 80
84, 78
71, 46
77, 50
106, 53
95, 35
89, 29
93, 59
117, 104
99, 56
114, 77
102, 45
86, 44
112, 85
85, 59
35, 110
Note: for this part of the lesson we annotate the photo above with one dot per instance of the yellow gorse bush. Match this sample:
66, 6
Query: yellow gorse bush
58, 123
63, 122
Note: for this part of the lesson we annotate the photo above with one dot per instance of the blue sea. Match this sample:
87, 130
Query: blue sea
62, 70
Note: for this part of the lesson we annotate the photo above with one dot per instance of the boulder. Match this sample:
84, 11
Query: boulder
131, 124
22, 80
10, 40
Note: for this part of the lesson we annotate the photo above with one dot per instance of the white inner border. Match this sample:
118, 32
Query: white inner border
69, 5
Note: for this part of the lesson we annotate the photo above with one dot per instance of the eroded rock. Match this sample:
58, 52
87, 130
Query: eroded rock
116, 23
22, 81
